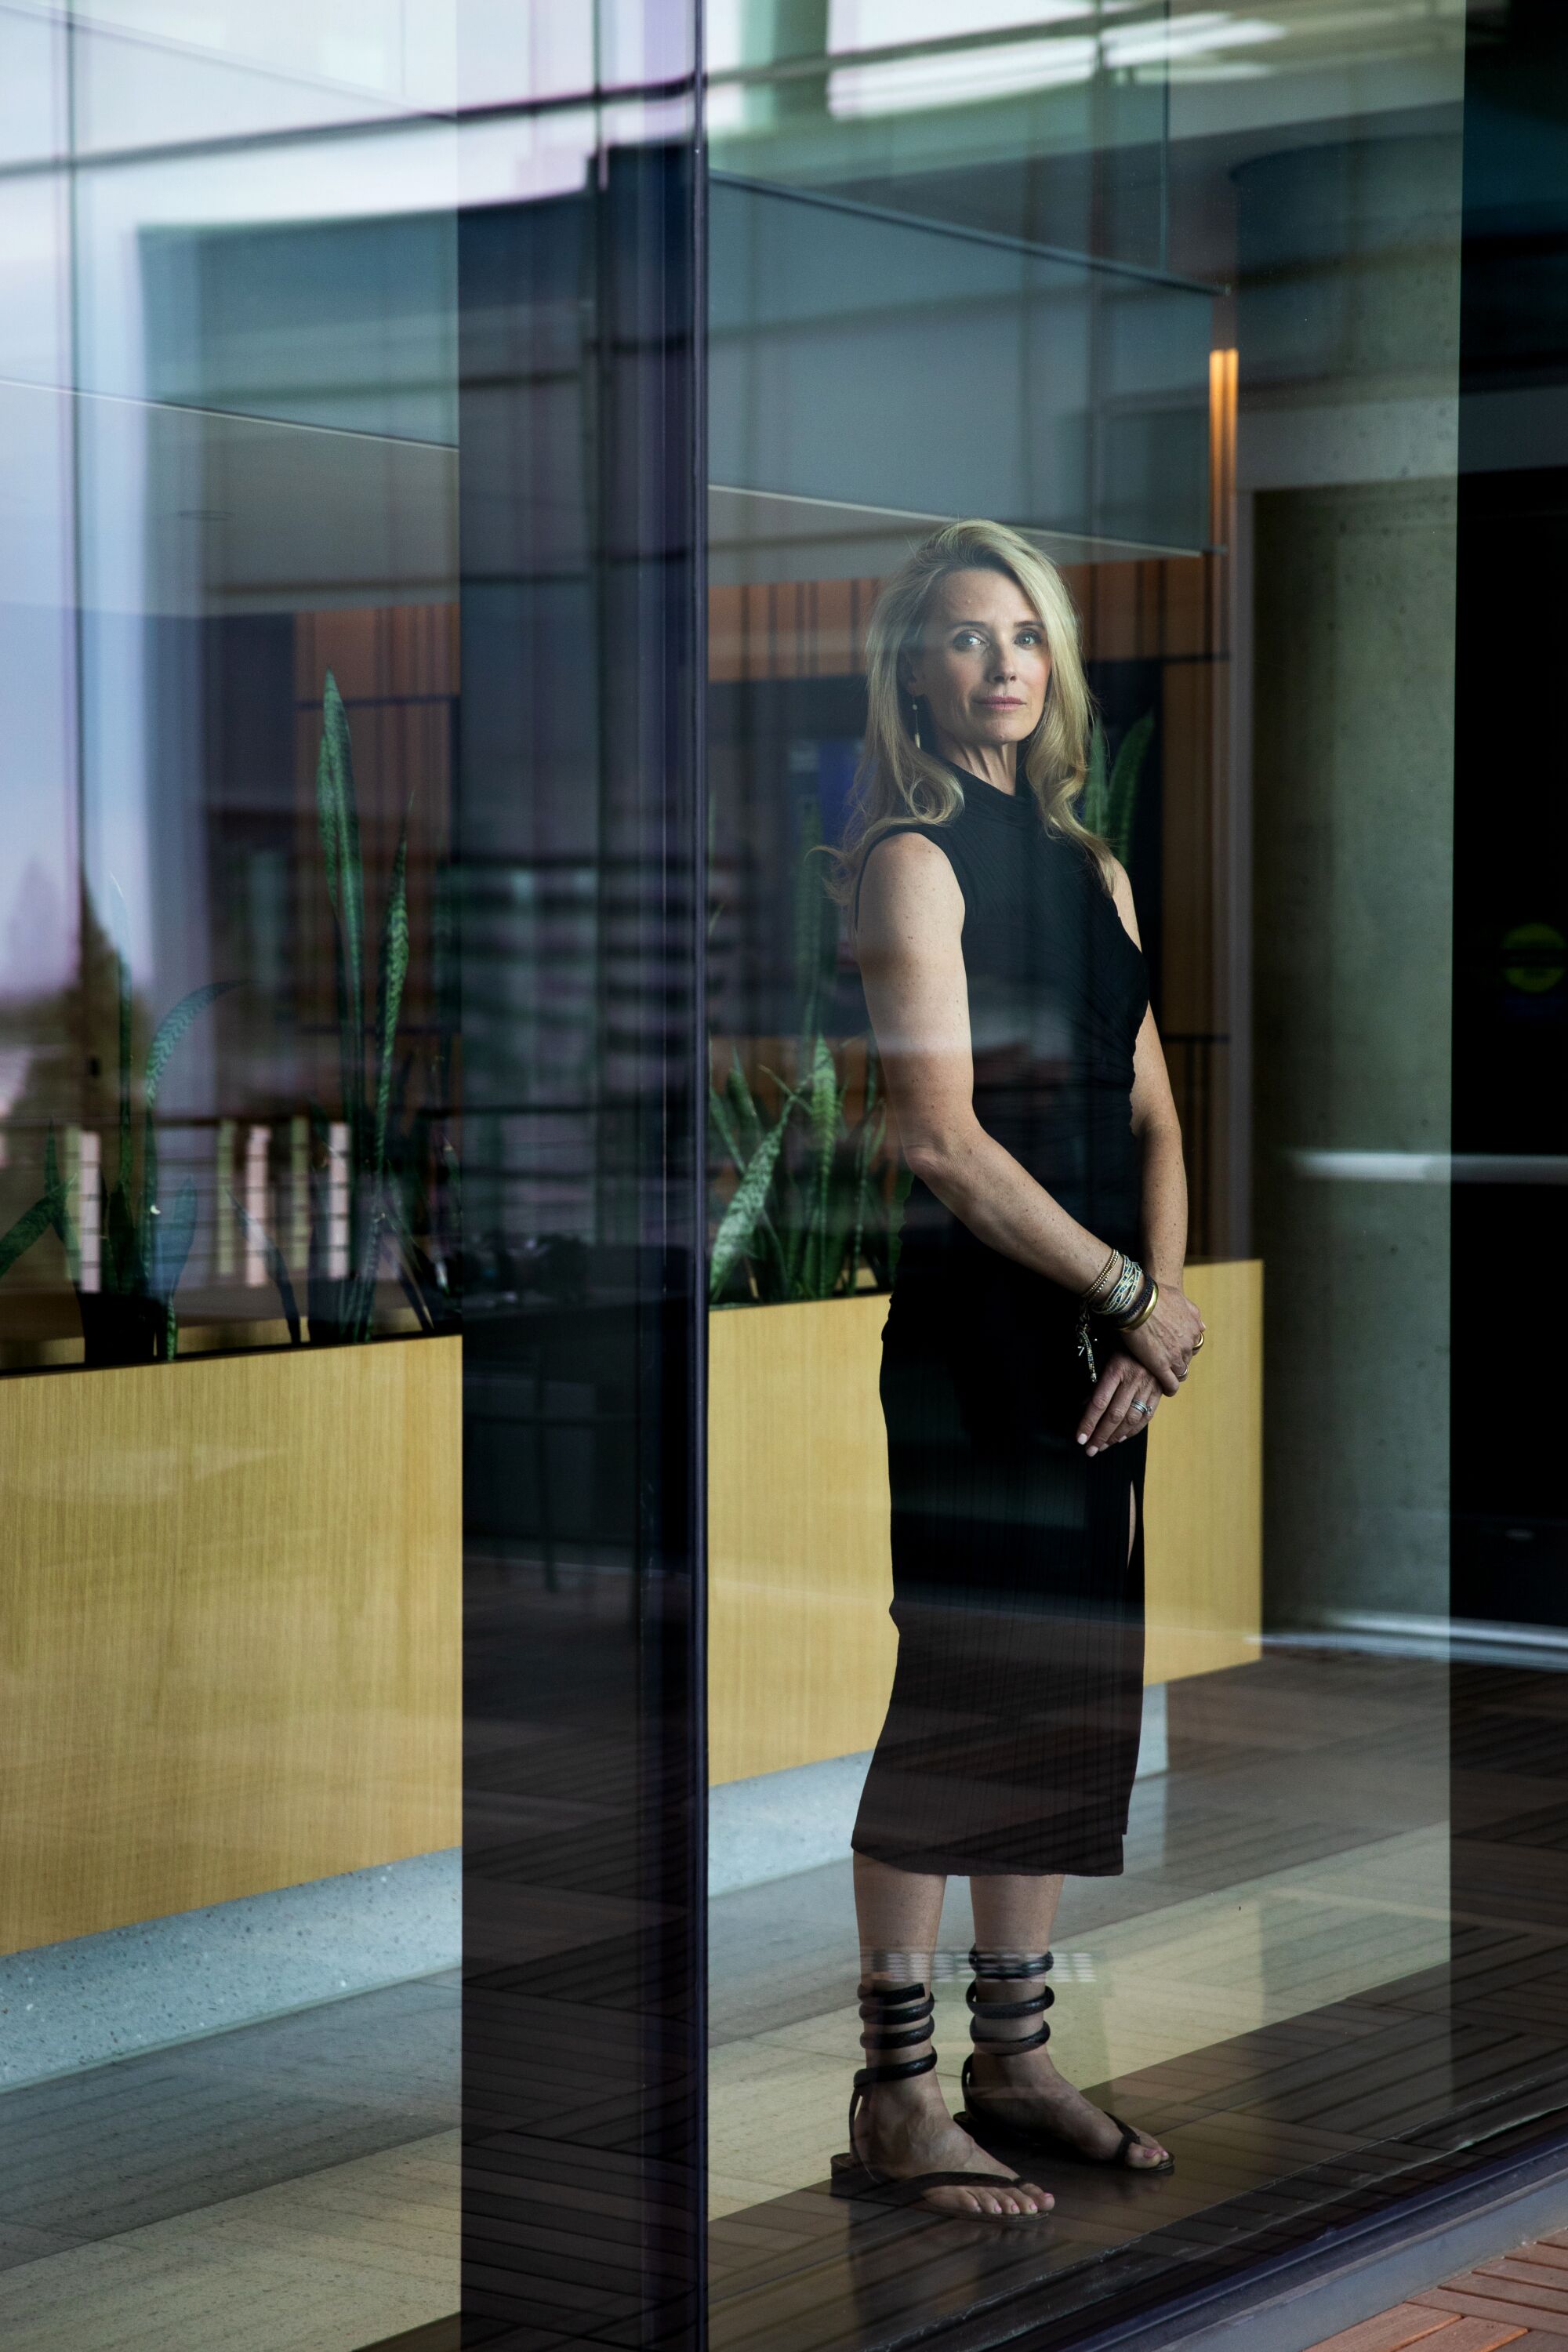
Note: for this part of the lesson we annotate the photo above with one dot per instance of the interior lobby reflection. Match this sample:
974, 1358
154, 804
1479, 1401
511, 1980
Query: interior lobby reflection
229, 1420
1176, 292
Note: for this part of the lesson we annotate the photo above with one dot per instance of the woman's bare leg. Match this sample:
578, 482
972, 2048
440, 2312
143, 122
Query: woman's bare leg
1014, 1916
905, 2127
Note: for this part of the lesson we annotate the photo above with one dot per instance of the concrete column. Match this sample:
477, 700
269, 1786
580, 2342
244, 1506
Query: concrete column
1349, 360
1353, 796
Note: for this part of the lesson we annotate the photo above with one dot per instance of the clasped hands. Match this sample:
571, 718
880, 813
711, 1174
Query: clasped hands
1147, 1364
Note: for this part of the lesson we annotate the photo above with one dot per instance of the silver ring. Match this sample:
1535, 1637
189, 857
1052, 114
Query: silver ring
1139, 1406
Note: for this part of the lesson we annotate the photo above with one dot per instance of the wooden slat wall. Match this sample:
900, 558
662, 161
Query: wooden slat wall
788, 628
1164, 608
231, 1648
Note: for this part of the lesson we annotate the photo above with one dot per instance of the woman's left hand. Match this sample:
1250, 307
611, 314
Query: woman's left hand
1122, 1402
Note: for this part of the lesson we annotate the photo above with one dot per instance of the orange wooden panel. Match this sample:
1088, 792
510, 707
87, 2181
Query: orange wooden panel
1486, 2336
1474, 2298
1407, 2323
726, 634
1113, 627
1078, 581
377, 651
1185, 619
350, 644
840, 649
788, 628
1152, 606
1530, 2277
1543, 2290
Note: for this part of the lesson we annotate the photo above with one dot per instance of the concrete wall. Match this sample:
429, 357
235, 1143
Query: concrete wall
1348, 449
1353, 778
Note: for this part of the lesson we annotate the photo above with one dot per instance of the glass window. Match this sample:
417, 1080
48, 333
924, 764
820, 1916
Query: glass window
230, 1945
1183, 300
781, 991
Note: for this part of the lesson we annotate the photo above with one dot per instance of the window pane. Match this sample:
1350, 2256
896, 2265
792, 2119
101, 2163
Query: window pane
1176, 299
229, 1948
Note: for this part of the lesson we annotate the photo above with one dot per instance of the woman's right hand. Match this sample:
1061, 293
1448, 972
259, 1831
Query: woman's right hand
1166, 1344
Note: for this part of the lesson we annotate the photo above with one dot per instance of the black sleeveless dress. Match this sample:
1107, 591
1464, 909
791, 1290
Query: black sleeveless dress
1012, 1735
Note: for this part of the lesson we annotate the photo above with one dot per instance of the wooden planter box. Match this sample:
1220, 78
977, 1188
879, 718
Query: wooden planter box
800, 1645
229, 1647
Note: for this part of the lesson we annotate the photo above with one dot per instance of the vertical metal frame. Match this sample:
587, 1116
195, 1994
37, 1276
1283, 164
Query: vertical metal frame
579, 846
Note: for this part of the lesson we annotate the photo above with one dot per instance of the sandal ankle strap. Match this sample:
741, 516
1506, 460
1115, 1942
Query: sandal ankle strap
901, 2071
895, 2016
1035, 2006
1008, 2045
908, 2009
1010, 1965
1002, 1969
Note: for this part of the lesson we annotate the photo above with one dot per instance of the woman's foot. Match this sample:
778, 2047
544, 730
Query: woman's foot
1027, 2094
904, 2129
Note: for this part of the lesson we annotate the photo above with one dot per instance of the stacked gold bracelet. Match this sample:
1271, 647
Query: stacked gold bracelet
1145, 1307
1121, 1293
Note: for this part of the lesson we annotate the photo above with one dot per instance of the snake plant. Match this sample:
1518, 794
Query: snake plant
380, 1156
1109, 802
128, 1315
812, 1203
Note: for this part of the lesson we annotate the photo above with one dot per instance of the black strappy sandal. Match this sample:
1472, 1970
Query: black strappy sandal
908, 2009
991, 2125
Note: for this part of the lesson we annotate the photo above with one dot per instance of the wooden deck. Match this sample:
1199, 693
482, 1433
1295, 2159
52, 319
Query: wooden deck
1520, 2298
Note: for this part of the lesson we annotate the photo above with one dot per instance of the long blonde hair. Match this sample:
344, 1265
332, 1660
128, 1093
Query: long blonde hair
898, 780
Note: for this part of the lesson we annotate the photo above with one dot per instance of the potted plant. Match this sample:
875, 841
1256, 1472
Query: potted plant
128, 1312
388, 1153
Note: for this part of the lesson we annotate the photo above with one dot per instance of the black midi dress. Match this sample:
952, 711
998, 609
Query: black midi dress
1011, 1738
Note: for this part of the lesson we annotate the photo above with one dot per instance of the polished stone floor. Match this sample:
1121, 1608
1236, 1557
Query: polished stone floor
289, 2187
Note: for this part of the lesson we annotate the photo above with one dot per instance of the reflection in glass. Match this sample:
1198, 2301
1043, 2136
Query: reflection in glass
1154, 311
228, 1074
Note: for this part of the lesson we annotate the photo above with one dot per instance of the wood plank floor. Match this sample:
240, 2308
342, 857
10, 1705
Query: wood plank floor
1255, 1891
1140, 1993
1520, 2297
1317, 1998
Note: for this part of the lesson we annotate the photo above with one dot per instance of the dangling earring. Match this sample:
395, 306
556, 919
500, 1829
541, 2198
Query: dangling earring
915, 721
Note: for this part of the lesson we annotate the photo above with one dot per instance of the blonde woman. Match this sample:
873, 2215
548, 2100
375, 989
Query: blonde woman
1037, 1319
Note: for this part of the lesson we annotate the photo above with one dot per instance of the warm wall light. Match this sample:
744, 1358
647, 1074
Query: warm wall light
1222, 443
